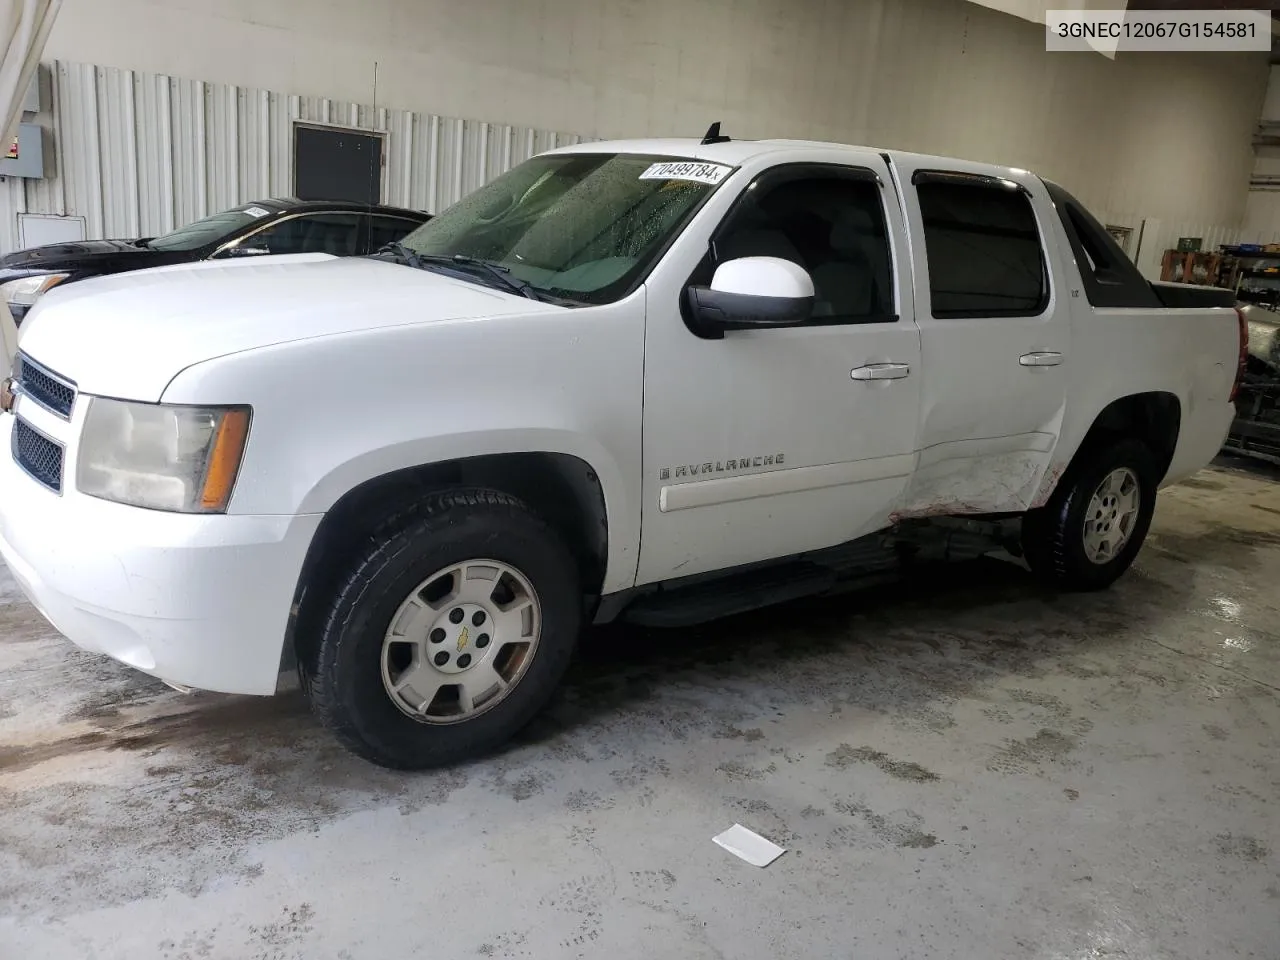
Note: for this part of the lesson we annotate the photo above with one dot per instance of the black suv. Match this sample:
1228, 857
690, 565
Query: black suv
341, 228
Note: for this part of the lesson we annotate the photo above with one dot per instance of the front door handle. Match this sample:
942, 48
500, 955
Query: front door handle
1040, 359
881, 371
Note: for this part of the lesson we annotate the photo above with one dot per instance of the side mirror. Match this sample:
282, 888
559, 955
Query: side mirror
242, 251
753, 292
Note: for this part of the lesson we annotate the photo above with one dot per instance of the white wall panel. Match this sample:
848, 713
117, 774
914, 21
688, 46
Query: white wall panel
1167, 134
1262, 211
1262, 217
137, 154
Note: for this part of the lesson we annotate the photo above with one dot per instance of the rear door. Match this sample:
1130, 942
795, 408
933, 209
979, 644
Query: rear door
995, 336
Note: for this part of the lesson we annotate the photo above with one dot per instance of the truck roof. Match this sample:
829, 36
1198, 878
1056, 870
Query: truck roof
736, 152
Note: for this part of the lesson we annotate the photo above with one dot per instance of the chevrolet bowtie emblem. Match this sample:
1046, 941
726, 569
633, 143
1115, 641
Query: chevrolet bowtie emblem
462, 639
8, 394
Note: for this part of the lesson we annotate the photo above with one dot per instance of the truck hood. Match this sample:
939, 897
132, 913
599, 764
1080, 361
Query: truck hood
127, 336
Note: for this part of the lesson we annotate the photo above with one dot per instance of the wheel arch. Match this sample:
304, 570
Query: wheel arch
564, 489
1154, 417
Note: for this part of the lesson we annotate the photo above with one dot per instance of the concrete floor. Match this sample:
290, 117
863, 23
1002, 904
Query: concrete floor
962, 768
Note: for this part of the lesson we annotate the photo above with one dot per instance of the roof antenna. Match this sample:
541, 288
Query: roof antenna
714, 135
375, 175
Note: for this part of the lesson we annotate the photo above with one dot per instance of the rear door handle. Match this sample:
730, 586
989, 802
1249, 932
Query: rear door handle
1040, 359
881, 371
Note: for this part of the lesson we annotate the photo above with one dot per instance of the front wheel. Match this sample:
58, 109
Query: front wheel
449, 634
1094, 524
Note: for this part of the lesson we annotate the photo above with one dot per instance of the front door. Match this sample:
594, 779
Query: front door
771, 442
994, 334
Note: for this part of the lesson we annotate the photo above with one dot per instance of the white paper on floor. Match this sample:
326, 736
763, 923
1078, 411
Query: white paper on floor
751, 847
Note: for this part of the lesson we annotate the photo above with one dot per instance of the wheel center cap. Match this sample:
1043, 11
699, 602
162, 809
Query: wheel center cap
459, 638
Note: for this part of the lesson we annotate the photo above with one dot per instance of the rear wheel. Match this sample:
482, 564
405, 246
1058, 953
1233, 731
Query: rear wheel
1094, 524
448, 634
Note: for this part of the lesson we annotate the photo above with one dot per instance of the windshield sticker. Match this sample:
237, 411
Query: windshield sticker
256, 211
710, 173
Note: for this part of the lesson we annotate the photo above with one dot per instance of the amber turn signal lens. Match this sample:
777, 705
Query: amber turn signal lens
224, 460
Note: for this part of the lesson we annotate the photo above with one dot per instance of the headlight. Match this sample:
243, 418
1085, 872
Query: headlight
161, 456
25, 291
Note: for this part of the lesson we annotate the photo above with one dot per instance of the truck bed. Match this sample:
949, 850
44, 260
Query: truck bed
1189, 295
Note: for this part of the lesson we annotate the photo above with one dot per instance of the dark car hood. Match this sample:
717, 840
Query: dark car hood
90, 257
57, 254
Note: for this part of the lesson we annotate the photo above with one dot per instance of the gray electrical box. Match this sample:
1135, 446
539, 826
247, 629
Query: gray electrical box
24, 155
31, 102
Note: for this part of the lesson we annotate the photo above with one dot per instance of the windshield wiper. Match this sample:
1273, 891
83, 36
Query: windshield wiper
401, 252
496, 271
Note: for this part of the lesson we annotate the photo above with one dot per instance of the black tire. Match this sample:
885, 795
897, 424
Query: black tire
1053, 536
345, 685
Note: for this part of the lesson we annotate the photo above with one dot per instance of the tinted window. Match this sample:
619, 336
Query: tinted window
983, 248
831, 225
383, 230
333, 233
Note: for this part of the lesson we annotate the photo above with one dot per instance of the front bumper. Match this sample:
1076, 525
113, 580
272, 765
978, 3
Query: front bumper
199, 601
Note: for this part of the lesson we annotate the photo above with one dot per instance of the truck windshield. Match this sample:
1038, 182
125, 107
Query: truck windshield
581, 227
211, 229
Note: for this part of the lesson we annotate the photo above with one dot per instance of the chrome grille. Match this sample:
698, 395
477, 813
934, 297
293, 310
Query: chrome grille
43, 386
37, 455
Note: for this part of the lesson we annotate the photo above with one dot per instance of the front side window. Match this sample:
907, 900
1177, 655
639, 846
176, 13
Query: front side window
983, 248
210, 230
833, 226
583, 227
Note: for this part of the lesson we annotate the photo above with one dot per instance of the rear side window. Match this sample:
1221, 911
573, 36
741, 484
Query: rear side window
983, 247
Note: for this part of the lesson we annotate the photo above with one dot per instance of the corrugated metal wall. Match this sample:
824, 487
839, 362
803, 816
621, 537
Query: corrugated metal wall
137, 154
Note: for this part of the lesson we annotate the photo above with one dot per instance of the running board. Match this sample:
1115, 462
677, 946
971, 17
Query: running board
877, 559
701, 603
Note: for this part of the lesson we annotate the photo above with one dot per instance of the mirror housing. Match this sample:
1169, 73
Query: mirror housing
236, 250
753, 292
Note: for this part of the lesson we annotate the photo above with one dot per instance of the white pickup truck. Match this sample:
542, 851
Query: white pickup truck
662, 379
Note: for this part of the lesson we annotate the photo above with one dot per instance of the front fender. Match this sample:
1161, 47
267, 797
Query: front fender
620, 505
331, 413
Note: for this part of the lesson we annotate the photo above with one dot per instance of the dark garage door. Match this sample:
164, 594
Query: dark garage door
333, 164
